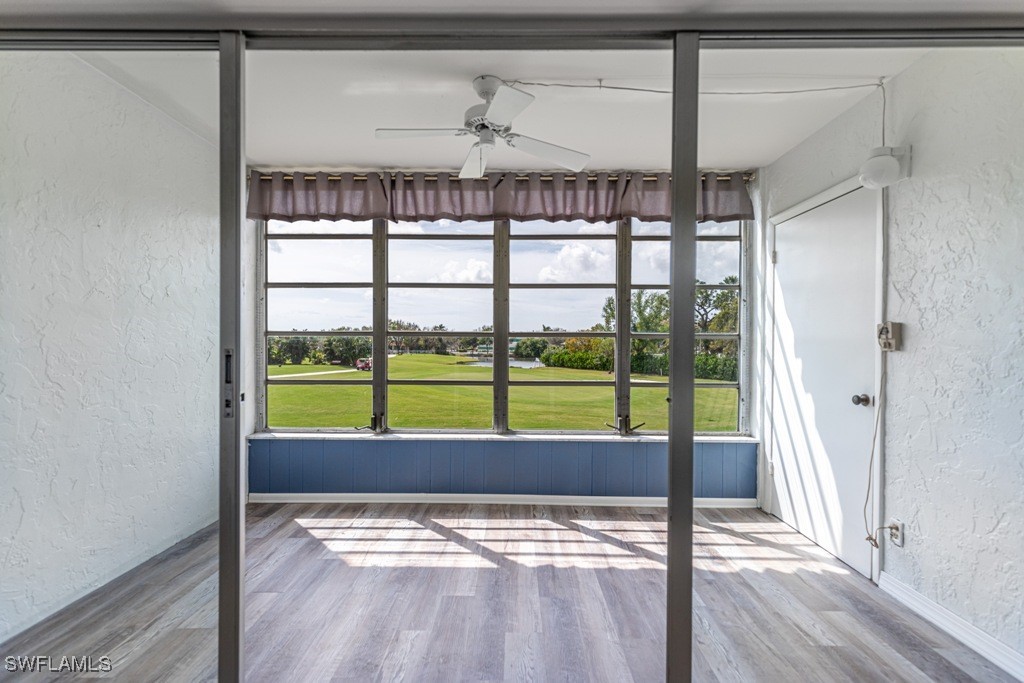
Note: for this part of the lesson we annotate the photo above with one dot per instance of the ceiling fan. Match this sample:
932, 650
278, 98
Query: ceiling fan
492, 120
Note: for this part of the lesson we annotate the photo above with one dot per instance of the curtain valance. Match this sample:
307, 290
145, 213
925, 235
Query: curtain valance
417, 196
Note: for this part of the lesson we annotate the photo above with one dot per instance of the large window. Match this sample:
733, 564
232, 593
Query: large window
501, 325
440, 321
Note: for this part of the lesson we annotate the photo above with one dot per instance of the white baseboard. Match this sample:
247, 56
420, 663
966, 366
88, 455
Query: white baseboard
997, 652
495, 498
725, 502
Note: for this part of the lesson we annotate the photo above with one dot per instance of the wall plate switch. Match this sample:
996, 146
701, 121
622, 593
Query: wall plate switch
896, 532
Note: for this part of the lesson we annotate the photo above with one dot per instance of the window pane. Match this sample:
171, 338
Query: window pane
715, 360
651, 263
318, 405
716, 410
650, 310
730, 228
664, 228
640, 227
450, 309
320, 227
319, 309
463, 358
440, 407
541, 227
718, 262
319, 261
462, 261
316, 358
561, 408
717, 310
568, 359
441, 227
560, 309
559, 261
649, 407
649, 360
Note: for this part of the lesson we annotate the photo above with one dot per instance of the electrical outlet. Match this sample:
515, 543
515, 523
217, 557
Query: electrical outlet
896, 532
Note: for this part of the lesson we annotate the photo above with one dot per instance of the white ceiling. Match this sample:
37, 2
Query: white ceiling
317, 110
200, 9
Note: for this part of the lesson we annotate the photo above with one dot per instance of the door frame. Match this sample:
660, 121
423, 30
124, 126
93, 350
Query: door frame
685, 47
880, 280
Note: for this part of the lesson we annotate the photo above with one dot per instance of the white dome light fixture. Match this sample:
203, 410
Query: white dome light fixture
885, 166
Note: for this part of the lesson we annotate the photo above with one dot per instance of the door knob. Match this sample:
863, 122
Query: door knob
861, 400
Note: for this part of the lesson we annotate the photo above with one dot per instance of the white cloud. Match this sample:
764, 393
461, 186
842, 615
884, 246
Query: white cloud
651, 262
474, 271
576, 262
717, 260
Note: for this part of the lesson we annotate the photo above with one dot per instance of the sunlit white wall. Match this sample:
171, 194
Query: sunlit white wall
955, 418
108, 315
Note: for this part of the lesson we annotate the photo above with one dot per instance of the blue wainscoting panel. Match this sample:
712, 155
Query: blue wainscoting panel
305, 464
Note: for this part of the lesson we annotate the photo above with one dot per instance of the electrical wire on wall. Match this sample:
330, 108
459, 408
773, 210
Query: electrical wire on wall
601, 86
878, 433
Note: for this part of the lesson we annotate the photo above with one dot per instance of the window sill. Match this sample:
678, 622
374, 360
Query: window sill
482, 436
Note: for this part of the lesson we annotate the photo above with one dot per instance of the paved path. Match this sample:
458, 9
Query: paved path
311, 374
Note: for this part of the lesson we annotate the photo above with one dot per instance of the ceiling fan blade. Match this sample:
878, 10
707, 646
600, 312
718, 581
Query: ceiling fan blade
507, 104
563, 156
385, 133
476, 162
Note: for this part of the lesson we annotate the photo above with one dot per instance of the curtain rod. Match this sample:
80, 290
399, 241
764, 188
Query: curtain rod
747, 177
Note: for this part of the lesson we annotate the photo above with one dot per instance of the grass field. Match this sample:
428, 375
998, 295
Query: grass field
469, 407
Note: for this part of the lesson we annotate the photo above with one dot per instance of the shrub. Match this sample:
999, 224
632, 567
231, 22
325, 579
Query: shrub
577, 360
705, 365
645, 363
711, 366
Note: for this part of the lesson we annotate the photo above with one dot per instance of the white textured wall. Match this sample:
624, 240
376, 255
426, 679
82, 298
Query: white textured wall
954, 469
108, 321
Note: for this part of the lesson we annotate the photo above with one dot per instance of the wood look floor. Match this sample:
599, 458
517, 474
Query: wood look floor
502, 593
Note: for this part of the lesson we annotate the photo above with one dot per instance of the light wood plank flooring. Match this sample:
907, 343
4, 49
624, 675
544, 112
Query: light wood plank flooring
491, 593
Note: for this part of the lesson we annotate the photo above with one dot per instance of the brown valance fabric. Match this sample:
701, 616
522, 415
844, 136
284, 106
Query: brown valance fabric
414, 196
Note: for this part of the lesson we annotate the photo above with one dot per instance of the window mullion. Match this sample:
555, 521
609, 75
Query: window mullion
502, 228
744, 326
623, 322
261, 323
380, 323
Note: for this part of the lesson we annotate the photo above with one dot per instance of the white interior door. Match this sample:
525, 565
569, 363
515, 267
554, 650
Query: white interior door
824, 353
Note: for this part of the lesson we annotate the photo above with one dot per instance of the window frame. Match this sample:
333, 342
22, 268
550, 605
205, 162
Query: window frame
501, 238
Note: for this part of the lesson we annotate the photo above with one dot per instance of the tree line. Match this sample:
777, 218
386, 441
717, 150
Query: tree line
715, 311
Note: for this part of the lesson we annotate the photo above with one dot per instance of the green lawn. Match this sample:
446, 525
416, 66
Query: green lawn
451, 407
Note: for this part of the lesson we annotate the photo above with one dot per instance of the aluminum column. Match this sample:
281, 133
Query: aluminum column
680, 422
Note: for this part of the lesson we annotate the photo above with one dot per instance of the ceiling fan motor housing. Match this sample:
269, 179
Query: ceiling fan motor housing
476, 117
